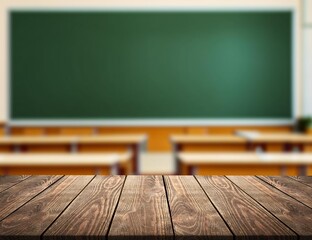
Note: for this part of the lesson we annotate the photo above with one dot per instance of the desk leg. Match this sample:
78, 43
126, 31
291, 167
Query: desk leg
135, 158
302, 170
250, 146
301, 147
287, 147
17, 149
121, 170
74, 147
185, 169
116, 170
258, 147
263, 147
176, 147
137, 149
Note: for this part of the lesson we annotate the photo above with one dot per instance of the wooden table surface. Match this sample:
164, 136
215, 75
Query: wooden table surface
245, 158
103, 139
247, 163
275, 137
59, 159
159, 207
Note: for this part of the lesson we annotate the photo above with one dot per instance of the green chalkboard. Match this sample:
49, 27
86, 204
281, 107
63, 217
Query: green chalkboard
150, 65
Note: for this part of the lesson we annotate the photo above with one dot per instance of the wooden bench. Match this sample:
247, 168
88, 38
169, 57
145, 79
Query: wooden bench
245, 163
81, 164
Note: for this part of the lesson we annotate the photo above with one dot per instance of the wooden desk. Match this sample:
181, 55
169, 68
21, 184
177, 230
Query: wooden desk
134, 143
288, 140
106, 164
155, 207
181, 142
245, 163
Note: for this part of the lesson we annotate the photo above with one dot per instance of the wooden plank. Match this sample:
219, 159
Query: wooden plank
31, 220
142, 210
9, 181
16, 196
91, 212
193, 215
293, 188
304, 179
246, 218
291, 212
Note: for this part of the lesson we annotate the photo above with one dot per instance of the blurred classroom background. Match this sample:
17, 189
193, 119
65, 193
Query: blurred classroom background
156, 87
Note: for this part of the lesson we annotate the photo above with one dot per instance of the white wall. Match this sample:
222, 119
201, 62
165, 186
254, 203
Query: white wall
307, 56
307, 11
187, 4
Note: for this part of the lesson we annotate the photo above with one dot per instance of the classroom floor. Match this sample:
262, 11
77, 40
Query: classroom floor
157, 163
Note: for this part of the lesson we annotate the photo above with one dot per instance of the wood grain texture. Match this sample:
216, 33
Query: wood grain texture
14, 197
293, 188
31, 220
156, 207
246, 218
91, 212
193, 215
291, 212
304, 179
142, 212
9, 181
